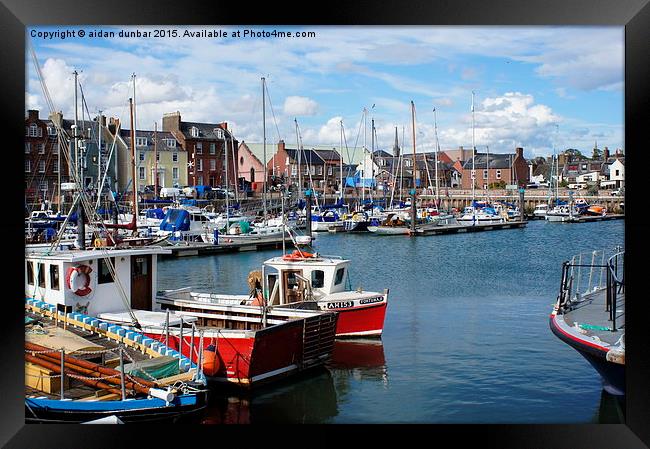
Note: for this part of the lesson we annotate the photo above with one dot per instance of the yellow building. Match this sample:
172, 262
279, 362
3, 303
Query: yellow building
172, 160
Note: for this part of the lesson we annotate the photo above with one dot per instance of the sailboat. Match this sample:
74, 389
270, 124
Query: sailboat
479, 212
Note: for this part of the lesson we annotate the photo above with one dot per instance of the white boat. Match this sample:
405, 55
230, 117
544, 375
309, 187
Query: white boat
540, 210
300, 280
394, 224
562, 214
472, 216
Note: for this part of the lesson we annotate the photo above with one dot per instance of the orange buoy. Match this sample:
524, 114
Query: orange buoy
211, 363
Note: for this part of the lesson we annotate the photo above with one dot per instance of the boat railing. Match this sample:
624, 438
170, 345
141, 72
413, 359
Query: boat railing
615, 287
588, 273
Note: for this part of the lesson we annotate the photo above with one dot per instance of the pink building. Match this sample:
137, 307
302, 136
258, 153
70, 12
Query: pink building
250, 168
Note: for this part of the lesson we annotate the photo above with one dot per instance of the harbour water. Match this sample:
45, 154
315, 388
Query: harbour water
466, 337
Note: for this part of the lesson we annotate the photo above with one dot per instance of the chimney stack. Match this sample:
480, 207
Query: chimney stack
171, 121
32, 114
519, 152
606, 154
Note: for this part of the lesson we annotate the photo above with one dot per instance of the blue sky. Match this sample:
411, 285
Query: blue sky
529, 82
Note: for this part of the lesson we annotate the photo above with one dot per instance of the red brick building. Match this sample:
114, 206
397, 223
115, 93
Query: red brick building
496, 168
206, 145
42, 159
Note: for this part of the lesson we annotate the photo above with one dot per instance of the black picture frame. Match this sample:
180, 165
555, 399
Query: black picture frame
634, 15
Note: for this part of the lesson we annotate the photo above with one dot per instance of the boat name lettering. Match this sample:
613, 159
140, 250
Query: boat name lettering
371, 300
340, 304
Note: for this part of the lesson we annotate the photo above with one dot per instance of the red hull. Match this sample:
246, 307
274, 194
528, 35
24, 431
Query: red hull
361, 321
253, 357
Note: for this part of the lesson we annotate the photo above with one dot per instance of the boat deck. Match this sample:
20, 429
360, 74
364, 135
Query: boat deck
592, 318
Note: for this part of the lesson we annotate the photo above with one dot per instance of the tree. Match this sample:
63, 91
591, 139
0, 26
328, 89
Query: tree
575, 153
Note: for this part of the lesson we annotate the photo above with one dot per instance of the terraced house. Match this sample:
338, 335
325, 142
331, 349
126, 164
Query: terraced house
157, 154
206, 145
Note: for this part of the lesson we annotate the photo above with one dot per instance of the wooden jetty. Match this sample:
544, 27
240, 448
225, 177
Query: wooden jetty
183, 249
585, 218
434, 229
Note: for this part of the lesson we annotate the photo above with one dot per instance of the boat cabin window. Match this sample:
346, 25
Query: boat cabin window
54, 277
104, 274
41, 275
339, 276
317, 278
292, 280
30, 273
140, 267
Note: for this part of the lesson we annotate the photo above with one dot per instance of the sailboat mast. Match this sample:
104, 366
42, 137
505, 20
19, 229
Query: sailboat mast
155, 159
99, 157
264, 139
413, 127
299, 154
135, 179
365, 149
225, 149
341, 161
473, 153
135, 193
435, 129
76, 127
372, 156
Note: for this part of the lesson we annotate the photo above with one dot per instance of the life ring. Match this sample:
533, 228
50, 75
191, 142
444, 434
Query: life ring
78, 279
297, 255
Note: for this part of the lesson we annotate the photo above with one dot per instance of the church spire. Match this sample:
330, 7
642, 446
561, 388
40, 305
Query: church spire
396, 145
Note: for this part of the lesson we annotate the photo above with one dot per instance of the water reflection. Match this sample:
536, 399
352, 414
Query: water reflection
611, 409
360, 359
308, 398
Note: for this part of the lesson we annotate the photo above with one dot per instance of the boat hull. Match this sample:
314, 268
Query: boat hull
612, 374
389, 230
250, 358
359, 321
43, 410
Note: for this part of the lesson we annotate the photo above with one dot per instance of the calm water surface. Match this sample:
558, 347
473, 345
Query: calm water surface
466, 338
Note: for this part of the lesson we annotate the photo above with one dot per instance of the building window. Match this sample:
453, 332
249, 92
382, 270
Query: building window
54, 277
41, 166
41, 148
199, 165
313, 169
199, 181
28, 148
485, 174
157, 157
170, 143
473, 172
219, 133
141, 173
55, 166
51, 130
317, 278
104, 275
498, 174
241, 160
28, 166
294, 170
174, 156
320, 169
140, 141
30, 273
194, 131
339, 276
199, 148
35, 131
213, 149
141, 155
252, 174
175, 173
617, 172
213, 164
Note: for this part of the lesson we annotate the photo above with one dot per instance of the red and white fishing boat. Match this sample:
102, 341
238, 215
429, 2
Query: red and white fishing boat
298, 281
242, 345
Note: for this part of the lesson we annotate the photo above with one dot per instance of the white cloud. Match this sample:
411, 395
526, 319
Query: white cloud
296, 106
